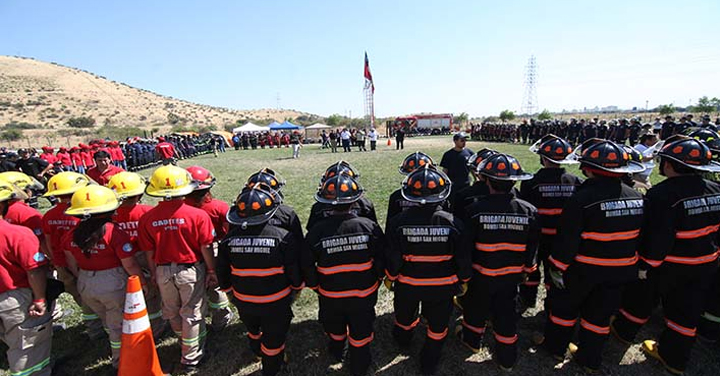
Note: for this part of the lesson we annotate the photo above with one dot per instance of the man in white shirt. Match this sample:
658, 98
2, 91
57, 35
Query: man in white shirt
645, 148
373, 136
345, 138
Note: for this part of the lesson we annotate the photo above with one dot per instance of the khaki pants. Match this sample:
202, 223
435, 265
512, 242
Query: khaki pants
219, 308
29, 338
104, 292
182, 289
90, 319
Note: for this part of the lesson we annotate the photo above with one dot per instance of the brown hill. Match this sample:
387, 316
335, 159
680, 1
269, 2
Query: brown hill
48, 95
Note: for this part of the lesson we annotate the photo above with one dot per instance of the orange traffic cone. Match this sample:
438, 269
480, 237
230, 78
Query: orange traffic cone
389, 142
137, 350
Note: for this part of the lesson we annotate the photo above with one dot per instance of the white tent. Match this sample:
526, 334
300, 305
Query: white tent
250, 127
318, 126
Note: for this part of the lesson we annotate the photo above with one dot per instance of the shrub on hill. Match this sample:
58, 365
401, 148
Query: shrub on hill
11, 135
81, 122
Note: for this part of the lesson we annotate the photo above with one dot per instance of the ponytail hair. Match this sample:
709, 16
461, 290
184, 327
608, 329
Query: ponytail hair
89, 231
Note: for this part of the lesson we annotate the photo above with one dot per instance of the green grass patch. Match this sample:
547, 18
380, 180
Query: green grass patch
78, 355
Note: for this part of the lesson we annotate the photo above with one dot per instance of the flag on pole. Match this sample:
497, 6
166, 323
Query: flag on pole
368, 76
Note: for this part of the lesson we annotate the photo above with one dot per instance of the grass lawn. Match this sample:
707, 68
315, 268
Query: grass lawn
76, 355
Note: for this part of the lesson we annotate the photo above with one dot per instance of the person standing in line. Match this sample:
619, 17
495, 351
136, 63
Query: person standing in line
259, 263
177, 239
424, 270
296, 142
594, 256
678, 254
166, 152
202, 198
55, 224
104, 169
333, 141
360, 139
342, 261
25, 320
400, 138
505, 232
454, 164
103, 257
548, 190
129, 187
345, 138
373, 136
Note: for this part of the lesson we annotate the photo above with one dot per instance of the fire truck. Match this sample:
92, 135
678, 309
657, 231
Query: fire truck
424, 123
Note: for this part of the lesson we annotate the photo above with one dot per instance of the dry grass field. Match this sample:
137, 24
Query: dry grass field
76, 355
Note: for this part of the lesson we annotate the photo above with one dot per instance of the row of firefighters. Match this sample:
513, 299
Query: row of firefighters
134, 154
609, 256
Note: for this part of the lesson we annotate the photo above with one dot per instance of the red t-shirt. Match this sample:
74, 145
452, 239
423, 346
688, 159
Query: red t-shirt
165, 149
64, 158
87, 158
117, 154
76, 158
56, 223
127, 219
217, 210
19, 252
19, 213
175, 231
114, 246
48, 157
103, 178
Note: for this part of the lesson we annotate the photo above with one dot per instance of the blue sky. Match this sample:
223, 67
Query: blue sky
425, 56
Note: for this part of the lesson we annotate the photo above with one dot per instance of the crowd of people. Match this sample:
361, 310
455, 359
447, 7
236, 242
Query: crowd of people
461, 233
577, 131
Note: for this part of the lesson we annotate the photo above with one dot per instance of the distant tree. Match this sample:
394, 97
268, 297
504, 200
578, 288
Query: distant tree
333, 120
716, 103
462, 119
173, 119
81, 122
11, 135
665, 109
545, 115
507, 115
705, 105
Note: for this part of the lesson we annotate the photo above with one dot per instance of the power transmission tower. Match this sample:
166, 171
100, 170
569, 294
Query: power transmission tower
529, 104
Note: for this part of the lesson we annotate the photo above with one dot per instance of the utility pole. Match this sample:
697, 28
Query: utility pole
529, 104
277, 99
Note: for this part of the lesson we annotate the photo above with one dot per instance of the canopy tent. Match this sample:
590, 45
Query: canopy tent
318, 126
273, 124
284, 126
250, 127
227, 136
